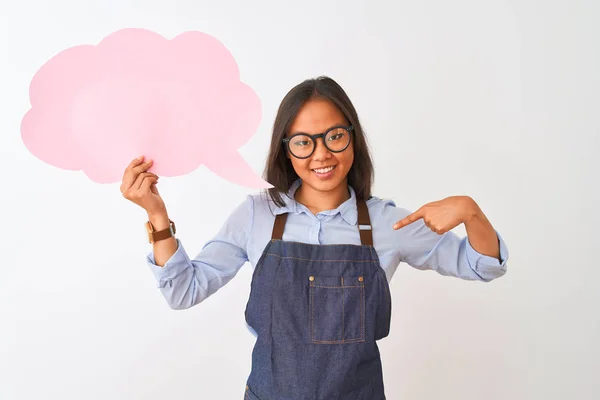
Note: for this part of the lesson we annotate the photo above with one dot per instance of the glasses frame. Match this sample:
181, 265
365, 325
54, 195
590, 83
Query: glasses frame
314, 138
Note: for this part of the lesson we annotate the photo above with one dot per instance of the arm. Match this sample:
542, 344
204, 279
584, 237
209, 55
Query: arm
481, 234
185, 282
424, 240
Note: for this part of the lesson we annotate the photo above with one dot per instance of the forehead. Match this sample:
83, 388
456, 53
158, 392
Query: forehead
316, 116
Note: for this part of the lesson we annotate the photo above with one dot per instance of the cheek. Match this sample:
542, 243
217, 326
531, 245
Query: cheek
299, 165
347, 157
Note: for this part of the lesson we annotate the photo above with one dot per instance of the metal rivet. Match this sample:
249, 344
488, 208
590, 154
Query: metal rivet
360, 278
311, 278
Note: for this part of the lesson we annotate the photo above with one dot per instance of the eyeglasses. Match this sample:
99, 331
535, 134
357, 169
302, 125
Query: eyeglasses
336, 140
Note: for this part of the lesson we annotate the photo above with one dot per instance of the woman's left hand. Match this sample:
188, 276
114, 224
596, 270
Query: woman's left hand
443, 215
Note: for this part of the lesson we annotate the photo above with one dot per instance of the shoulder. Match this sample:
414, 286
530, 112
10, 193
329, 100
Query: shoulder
251, 211
385, 209
258, 201
263, 207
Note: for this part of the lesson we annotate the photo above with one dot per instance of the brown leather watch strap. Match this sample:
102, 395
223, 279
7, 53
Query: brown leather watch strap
155, 236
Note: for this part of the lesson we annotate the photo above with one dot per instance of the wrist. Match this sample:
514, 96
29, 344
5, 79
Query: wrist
159, 220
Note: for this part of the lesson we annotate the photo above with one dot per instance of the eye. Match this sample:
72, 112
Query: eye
301, 143
336, 136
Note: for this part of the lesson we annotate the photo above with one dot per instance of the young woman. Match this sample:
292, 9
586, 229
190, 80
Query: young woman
323, 251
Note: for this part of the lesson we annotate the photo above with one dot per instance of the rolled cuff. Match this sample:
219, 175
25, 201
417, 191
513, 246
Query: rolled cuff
488, 267
174, 266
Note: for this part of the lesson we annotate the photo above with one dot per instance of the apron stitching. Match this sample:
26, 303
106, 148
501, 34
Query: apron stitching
346, 341
312, 313
323, 245
343, 309
312, 260
335, 287
362, 309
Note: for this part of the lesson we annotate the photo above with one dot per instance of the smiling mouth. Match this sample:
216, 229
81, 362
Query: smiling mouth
324, 170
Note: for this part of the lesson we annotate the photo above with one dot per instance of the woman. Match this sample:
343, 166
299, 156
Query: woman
323, 252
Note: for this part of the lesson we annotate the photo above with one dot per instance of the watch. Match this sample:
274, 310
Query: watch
155, 236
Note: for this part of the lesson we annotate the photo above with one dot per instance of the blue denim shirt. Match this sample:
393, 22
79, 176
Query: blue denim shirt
185, 281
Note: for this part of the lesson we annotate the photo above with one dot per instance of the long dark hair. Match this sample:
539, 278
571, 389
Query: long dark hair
279, 171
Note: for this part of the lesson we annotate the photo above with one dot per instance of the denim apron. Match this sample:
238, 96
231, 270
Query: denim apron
318, 311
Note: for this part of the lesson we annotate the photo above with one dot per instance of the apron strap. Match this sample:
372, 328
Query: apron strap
364, 223
278, 226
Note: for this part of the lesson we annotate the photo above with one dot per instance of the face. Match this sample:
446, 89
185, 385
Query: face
323, 171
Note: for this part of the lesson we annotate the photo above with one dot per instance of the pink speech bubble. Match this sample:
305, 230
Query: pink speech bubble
179, 102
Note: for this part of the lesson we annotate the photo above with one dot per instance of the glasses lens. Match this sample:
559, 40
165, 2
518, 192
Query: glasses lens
301, 146
337, 139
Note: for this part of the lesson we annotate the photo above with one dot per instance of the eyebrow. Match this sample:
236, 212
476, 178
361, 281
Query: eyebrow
327, 130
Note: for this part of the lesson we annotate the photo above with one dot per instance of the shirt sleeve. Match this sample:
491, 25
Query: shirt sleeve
448, 254
185, 282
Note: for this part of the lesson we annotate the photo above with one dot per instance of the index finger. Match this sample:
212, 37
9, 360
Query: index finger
409, 219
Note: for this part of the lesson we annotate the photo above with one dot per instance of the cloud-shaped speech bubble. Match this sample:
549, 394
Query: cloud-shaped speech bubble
179, 102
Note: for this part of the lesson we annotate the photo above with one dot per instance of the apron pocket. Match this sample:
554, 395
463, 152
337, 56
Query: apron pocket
336, 309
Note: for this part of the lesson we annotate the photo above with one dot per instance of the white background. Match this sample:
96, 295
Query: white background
495, 99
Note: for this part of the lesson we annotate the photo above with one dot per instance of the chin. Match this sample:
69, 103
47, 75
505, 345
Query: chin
323, 187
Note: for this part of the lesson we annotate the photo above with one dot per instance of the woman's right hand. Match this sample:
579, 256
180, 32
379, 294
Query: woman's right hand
139, 186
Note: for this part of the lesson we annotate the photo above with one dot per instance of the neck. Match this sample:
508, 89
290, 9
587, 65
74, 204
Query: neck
317, 201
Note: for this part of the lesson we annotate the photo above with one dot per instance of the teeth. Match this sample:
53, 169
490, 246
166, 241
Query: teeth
323, 170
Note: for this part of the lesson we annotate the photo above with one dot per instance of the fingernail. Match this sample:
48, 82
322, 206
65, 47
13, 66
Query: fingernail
139, 157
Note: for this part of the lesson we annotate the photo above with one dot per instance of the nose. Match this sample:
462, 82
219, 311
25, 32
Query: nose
321, 151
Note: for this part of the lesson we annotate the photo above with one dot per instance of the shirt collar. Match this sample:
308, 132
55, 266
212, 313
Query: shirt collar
347, 209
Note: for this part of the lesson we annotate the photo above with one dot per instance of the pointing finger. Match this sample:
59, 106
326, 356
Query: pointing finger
409, 219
